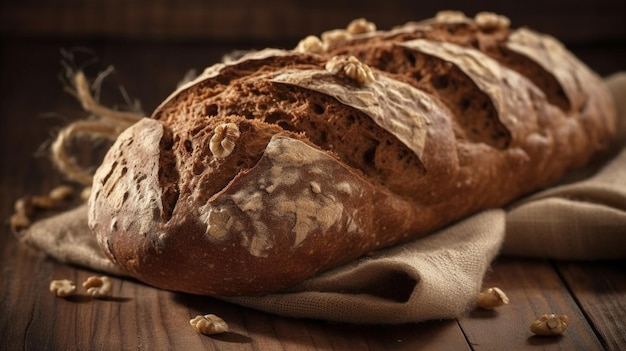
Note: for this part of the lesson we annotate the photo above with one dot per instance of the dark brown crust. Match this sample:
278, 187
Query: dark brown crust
317, 178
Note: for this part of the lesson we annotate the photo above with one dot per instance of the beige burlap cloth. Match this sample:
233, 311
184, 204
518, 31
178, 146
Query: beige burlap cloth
434, 277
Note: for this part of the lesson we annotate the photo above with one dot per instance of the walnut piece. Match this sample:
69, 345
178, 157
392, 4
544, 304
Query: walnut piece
310, 44
334, 36
62, 288
209, 324
491, 21
550, 324
315, 187
491, 298
450, 16
98, 286
351, 67
360, 26
223, 140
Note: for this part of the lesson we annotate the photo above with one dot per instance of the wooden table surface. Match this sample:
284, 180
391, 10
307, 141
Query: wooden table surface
139, 317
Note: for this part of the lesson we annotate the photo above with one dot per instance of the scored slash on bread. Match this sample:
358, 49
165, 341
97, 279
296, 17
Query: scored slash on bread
355, 144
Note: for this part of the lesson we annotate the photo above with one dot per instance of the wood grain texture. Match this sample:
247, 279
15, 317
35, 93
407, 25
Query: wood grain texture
140, 317
534, 289
599, 289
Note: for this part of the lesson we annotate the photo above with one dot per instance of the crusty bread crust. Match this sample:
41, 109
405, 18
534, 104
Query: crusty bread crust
330, 158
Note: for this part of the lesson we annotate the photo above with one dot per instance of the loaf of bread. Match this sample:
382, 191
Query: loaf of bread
269, 169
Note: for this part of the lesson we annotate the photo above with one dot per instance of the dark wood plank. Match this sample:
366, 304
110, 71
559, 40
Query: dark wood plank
599, 288
141, 317
534, 289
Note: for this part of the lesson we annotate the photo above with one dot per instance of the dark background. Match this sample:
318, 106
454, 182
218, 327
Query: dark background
194, 33
577, 22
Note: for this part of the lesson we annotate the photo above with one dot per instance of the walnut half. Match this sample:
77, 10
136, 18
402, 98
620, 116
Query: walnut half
450, 16
209, 324
98, 287
550, 324
222, 142
360, 26
62, 288
310, 44
350, 67
491, 298
491, 21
